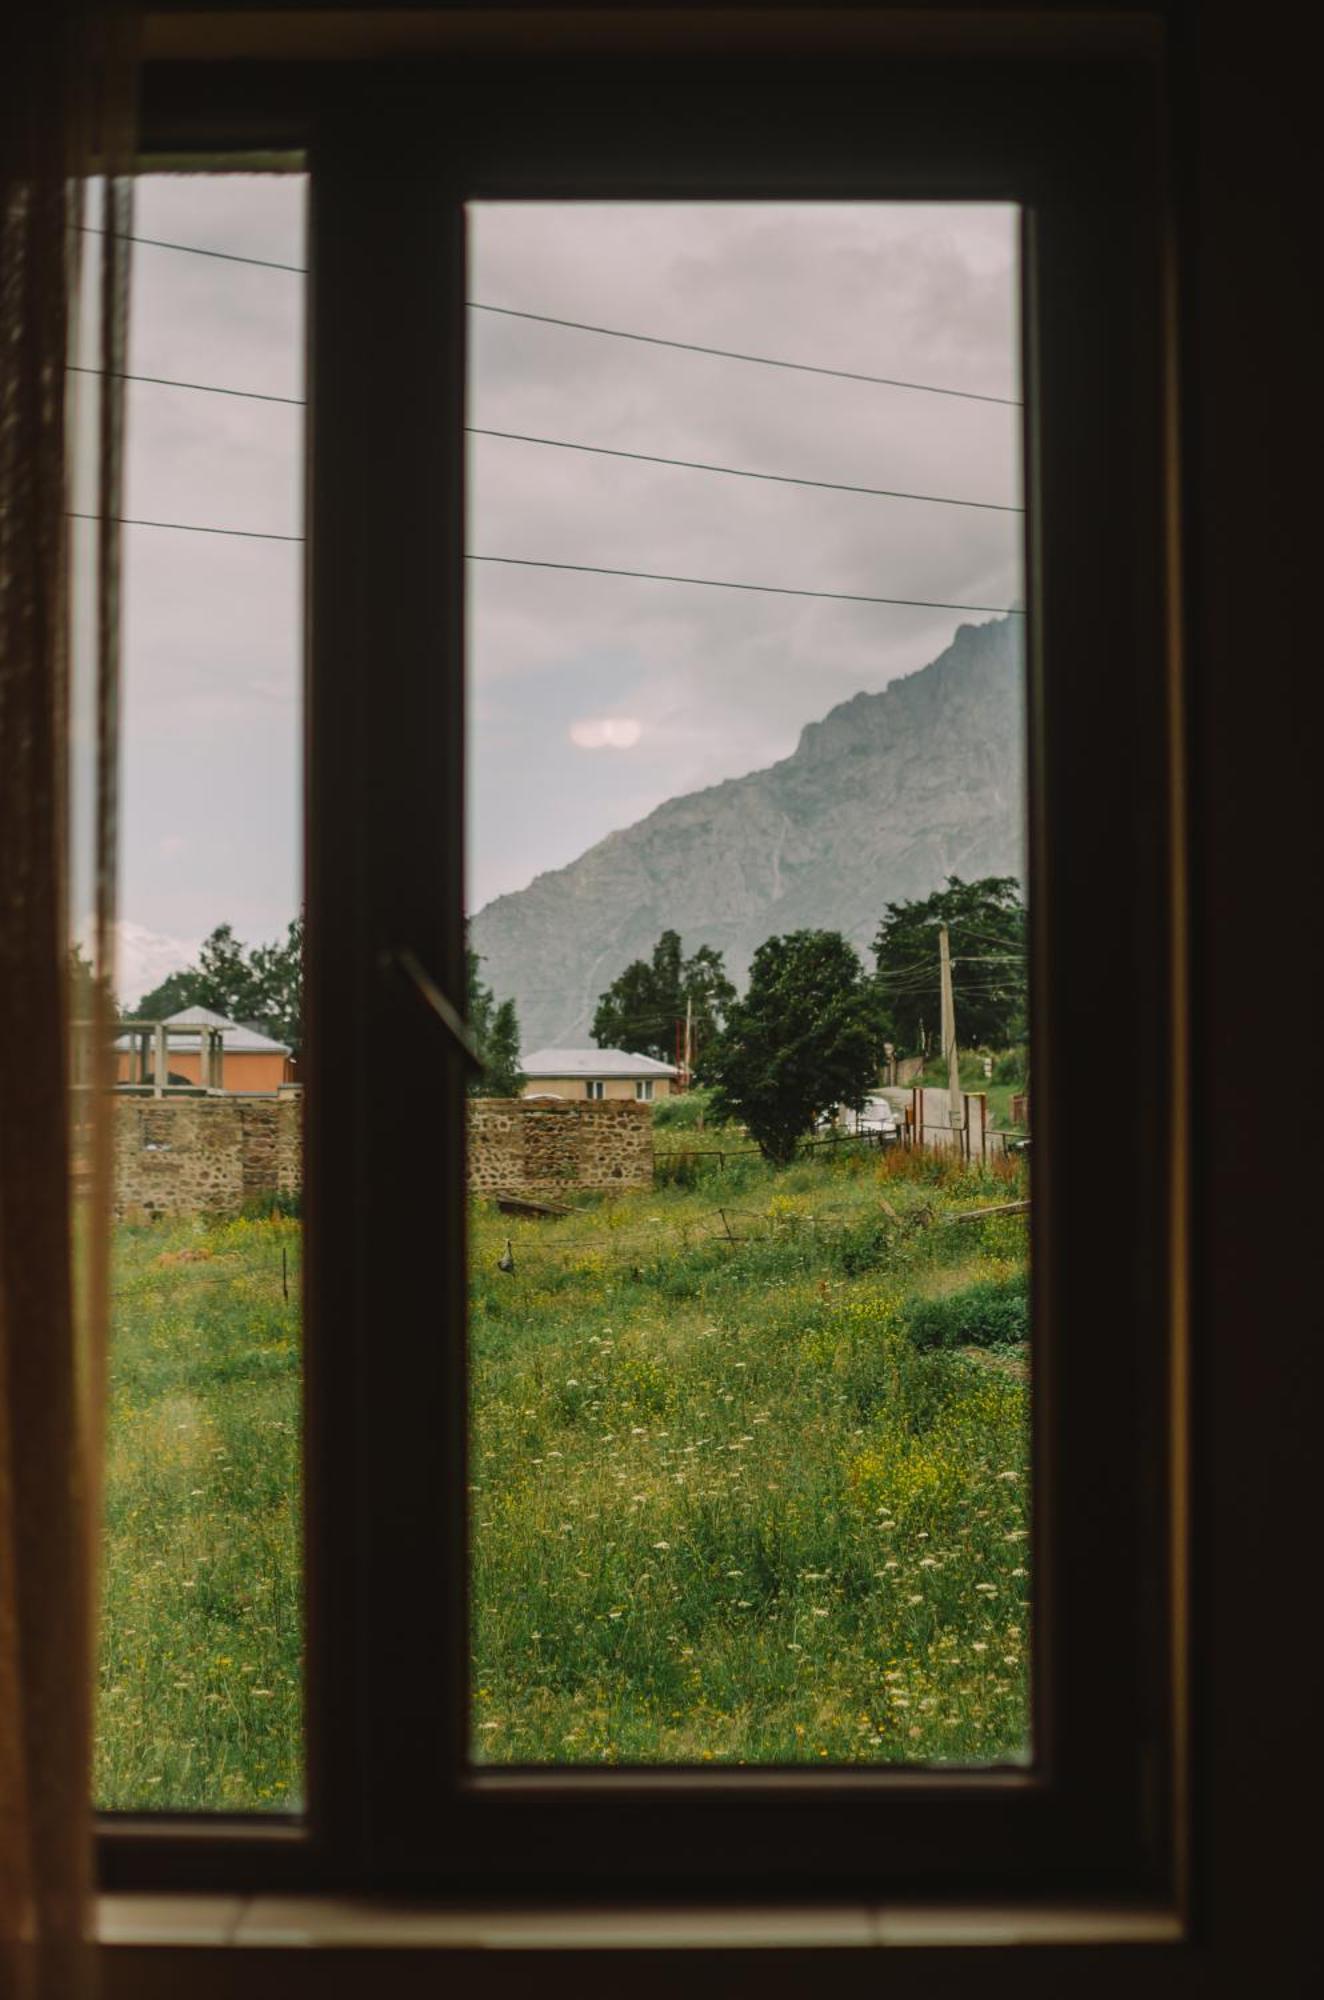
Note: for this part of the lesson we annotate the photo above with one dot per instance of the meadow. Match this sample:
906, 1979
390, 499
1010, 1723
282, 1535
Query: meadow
749, 1480
750, 1468
199, 1698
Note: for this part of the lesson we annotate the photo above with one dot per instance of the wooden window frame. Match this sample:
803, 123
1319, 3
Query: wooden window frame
394, 152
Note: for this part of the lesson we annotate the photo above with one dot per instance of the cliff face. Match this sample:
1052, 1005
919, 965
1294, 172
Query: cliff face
883, 799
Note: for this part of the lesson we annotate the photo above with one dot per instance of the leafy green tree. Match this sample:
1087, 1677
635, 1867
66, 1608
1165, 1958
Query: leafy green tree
504, 1076
495, 1028
177, 990
262, 988
640, 1009
808, 1035
986, 927
277, 974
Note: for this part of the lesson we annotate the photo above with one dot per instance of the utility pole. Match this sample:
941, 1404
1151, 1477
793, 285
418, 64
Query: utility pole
956, 1113
689, 1039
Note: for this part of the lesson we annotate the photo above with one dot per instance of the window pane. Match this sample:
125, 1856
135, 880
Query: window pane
749, 1305
200, 1701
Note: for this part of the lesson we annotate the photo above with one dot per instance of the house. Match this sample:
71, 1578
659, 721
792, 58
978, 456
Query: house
203, 1050
597, 1073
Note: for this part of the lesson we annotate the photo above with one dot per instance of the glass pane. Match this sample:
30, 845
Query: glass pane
749, 1187
200, 1701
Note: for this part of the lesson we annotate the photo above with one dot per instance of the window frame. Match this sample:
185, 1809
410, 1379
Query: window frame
375, 1185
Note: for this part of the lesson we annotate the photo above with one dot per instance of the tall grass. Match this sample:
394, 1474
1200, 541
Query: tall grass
199, 1697
723, 1509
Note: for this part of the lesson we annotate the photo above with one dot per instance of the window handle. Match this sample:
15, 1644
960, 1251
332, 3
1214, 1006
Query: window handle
410, 966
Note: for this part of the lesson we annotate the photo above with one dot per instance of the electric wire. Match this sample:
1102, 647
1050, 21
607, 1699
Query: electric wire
764, 589
612, 332
596, 450
596, 569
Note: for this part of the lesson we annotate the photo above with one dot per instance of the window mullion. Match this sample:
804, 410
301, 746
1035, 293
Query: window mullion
385, 1092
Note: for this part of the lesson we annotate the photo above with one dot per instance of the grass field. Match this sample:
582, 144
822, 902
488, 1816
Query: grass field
725, 1508
201, 1640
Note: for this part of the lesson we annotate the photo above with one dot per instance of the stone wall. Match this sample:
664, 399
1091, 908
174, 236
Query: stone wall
520, 1147
205, 1155
212, 1155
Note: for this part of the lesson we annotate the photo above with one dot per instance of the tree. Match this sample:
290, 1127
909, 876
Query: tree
262, 988
640, 1009
177, 990
277, 976
807, 1036
495, 1029
504, 1077
986, 925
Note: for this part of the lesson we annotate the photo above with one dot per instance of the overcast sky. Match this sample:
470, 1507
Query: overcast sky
592, 698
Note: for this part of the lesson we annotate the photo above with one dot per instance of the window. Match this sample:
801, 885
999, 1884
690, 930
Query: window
391, 1793
200, 1684
643, 1089
595, 1088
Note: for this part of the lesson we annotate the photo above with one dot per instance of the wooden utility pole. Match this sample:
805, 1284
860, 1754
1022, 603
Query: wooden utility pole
956, 1112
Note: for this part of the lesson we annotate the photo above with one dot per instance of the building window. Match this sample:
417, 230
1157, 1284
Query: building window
643, 1089
595, 1088
393, 1491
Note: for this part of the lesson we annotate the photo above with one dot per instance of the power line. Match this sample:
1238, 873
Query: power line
196, 250
595, 450
199, 388
193, 528
765, 589
740, 472
613, 332
758, 360
596, 569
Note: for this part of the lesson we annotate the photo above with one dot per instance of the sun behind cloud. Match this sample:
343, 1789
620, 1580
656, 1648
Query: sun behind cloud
606, 732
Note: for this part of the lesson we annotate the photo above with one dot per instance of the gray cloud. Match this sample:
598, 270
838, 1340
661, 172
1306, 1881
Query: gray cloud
718, 682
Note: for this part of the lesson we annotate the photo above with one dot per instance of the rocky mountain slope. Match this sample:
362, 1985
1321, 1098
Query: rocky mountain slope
883, 799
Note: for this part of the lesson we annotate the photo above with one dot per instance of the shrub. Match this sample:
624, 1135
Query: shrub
994, 1312
684, 1113
286, 1203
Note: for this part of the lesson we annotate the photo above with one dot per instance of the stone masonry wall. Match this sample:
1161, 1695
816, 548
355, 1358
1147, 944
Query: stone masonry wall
519, 1147
204, 1155
211, 1155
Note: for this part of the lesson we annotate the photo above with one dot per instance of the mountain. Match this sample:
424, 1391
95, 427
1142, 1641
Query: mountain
883, 799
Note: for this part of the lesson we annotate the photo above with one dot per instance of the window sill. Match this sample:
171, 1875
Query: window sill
130, 1921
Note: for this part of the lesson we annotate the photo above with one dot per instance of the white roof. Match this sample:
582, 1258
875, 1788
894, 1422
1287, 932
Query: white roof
592, 1063
236, 1040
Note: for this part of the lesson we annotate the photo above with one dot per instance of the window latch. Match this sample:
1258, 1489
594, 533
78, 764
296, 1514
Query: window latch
410, 967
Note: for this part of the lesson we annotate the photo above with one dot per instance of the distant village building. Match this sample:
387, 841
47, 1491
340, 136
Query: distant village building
597, 1073
203, 1051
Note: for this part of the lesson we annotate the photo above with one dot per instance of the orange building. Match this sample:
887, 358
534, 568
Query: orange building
203, 1050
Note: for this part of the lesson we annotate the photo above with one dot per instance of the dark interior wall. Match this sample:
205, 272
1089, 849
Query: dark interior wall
1248, 170
1245, 123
